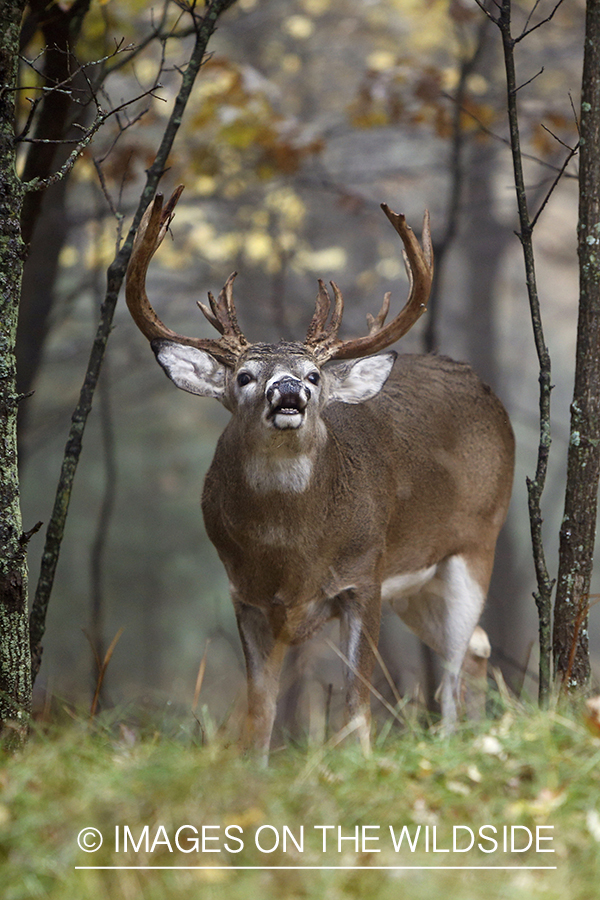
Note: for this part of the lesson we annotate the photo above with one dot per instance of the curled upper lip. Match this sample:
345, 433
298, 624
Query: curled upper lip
288, 405
287, 397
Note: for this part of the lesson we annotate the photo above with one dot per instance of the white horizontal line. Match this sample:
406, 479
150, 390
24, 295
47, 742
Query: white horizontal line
300, 868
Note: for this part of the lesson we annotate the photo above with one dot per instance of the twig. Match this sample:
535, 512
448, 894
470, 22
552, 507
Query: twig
65, 86
27, 535
559, 140
529, 80
572, 152
531, 14
484, 129
38, 184
527, 31
156, 33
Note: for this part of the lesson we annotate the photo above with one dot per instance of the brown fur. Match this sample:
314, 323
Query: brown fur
421, 473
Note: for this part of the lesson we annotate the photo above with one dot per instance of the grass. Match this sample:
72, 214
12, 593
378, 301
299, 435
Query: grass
527, 768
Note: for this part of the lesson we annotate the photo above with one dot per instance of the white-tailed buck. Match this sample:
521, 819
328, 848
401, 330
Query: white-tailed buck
342, 479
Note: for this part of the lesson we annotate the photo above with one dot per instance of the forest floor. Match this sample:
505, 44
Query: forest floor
507, 809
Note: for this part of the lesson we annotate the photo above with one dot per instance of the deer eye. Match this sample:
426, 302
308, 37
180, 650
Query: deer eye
313, 377
244, 378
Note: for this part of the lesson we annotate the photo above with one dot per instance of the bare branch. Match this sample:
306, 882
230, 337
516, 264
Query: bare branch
506, 141
527, 31
64, 86
37, 184
531, 14
529, 80
559, 140
157, 33
482, 6
575, 116
572, 152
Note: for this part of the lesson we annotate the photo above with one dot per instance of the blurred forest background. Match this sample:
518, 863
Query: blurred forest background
307, 115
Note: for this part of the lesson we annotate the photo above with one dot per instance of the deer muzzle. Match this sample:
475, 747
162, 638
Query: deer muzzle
287, 399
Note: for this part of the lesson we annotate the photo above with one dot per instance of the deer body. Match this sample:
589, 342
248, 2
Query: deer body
419, 459
339, 485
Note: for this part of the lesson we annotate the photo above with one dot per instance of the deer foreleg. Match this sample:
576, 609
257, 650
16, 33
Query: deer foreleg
264, 656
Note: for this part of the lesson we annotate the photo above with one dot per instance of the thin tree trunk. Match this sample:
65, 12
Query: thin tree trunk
535, 485
577, 534
205, 27
15, 672
98, 549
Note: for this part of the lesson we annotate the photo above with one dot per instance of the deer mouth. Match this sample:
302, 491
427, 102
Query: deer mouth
288, 413
287, 398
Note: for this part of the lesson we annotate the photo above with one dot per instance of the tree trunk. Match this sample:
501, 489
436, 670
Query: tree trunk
577, 535
44, 225
15, 667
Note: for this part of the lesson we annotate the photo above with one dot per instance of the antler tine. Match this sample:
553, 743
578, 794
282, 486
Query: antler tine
375, 323
338, 311
320, 334
154, 225
208, 314
322, 306
222, 314
419, 264
151, 232
226, 310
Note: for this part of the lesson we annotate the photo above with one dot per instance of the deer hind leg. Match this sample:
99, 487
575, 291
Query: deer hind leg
359, 633
474, 675
463, 605
444, 612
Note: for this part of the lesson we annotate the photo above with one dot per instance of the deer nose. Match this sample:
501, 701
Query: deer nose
288, 388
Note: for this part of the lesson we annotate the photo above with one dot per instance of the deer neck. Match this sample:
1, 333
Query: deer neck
283, 462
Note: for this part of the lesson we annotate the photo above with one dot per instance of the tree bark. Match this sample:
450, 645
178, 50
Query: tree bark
15, 671
578, 530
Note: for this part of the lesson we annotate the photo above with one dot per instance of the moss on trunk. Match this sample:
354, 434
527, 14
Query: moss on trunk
15, 664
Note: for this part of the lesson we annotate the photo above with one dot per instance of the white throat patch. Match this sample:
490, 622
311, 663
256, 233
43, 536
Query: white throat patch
288, 475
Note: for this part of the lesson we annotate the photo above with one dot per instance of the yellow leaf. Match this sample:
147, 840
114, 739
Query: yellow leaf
299, 27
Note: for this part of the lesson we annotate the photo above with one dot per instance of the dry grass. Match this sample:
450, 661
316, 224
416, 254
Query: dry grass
525, 769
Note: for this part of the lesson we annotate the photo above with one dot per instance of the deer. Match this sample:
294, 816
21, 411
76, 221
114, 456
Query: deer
346, 478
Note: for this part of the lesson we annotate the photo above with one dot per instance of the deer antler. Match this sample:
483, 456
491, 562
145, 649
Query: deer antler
322, 338
222, 315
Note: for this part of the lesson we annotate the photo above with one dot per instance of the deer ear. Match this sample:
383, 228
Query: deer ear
190, 369
355, 382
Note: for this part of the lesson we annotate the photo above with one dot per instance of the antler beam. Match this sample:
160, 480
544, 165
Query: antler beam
322, 338
222, 315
